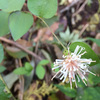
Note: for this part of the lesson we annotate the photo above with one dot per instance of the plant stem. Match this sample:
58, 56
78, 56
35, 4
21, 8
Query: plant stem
8, 90
53, 33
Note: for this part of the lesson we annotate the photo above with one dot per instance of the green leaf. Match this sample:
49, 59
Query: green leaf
90, 53
3, 95
11, 5
2, 69
93, 80
67, 90
96, 69
1, 53
4, 29
21, 71
43, 62
97, 41
28, 66
50, 21
98, 89
2, 86
89, 94
43, 8
40, 71
19, 23
65, 35
3, 4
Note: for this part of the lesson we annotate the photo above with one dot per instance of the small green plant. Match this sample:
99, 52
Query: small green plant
26, 70
40, 71
70, 37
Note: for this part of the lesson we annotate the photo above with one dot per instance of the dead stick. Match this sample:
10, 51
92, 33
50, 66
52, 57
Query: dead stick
84, 28
80, 9
68, 7
20, 47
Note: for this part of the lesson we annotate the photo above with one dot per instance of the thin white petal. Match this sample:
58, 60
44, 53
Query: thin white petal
82, 48
76, 49
91, 72
56, 67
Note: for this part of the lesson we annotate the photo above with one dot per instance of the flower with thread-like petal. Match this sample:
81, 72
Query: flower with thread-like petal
72, 66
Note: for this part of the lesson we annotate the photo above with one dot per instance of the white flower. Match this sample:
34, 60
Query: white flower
72, 66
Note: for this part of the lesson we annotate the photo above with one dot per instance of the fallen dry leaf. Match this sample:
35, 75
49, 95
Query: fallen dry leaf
45, 34
16, 52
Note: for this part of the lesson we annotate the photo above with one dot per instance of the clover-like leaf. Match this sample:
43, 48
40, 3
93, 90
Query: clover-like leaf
19, 23
11, 5
43, 8
4, 29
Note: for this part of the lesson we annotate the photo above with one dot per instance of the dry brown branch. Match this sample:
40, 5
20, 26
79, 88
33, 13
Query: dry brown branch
20, 47
84, 28
80, 9
69, 6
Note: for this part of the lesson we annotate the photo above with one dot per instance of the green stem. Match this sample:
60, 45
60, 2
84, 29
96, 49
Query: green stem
8, 90
53, 33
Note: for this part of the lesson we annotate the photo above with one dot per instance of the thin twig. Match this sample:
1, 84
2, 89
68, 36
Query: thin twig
72, 4
80, 9
21, 81
84, 28
20, 47
36, 49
